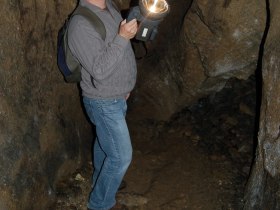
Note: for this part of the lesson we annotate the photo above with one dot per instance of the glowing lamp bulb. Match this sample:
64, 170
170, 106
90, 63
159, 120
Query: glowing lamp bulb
152, 9
155, 6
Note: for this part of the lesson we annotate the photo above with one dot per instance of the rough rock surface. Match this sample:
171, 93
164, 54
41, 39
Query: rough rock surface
218, 40
42, 126
43, 131
263, 191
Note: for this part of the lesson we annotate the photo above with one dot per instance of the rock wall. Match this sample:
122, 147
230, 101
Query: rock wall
218, 40
43, 132
263, 189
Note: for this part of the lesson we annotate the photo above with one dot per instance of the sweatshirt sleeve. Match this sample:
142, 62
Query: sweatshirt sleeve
91, 51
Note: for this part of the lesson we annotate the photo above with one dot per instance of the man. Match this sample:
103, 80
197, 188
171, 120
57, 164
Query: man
108, 76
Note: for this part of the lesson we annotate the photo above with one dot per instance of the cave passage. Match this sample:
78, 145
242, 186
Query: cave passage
205, 108
200, 159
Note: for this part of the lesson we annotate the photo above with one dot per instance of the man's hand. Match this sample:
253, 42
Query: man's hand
128, 30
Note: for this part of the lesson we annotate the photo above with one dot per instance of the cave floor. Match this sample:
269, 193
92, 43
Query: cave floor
199, 160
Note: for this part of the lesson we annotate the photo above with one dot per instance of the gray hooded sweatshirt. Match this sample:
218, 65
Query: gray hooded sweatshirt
109, 67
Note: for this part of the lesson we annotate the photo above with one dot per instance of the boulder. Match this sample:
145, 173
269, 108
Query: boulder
218, 40
263, 189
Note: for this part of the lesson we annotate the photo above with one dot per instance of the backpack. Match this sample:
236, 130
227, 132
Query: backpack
67, 63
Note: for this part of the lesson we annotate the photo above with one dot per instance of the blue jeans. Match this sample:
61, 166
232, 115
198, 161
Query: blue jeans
112, 151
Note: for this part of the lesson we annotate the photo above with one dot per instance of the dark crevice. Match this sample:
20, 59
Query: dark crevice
253, 197
184, 16
259, 81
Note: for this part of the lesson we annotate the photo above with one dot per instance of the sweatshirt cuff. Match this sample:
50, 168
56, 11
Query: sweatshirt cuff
121, 41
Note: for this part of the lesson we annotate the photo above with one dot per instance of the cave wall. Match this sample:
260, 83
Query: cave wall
43, 131
263, 189
218, 40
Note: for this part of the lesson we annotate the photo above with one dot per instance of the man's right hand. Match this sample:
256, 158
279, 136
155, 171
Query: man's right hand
128, 30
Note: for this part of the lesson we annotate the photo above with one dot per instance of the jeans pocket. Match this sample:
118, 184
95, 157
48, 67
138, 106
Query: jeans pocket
111, 106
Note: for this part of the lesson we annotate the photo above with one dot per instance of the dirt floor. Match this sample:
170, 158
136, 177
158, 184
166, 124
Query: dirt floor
199, 160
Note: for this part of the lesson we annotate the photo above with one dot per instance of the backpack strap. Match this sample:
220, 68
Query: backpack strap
92, 18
